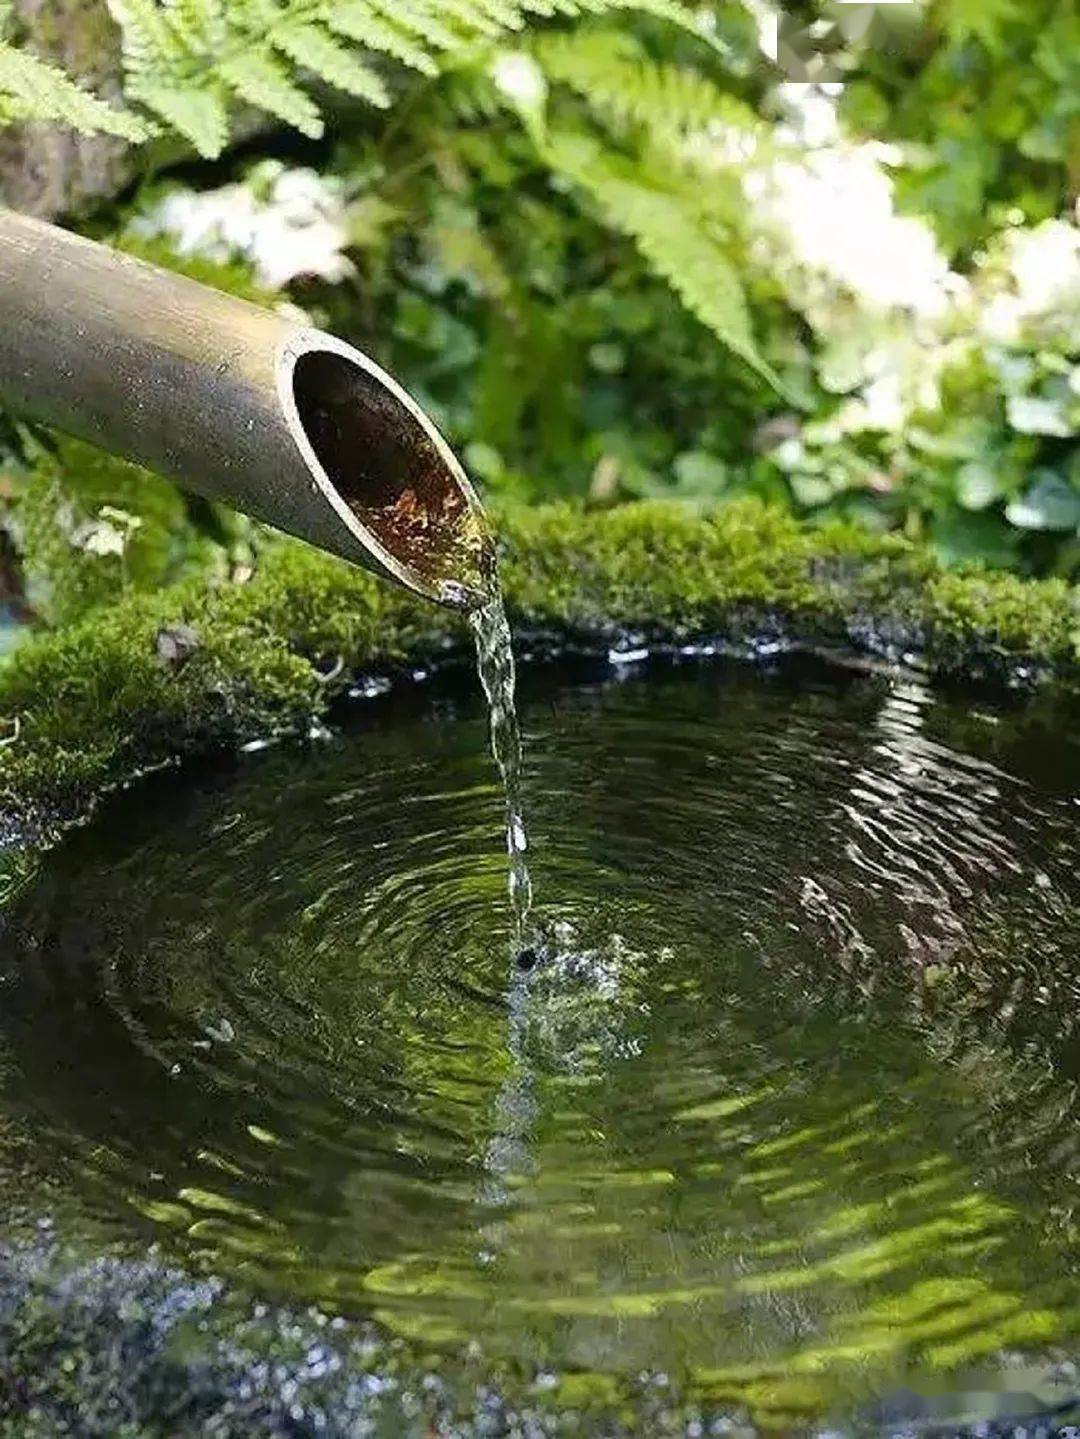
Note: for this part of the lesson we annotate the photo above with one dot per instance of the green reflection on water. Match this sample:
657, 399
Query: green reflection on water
786, 1113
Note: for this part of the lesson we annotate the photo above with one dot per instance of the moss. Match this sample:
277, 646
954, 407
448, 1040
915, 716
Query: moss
97, 701
1007, 612
69, 492
232, 276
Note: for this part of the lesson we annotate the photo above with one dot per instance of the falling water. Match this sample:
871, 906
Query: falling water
495, 665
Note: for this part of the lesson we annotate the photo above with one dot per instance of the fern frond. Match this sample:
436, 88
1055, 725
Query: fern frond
186, 61
150, 43
419, 18
31, 89
162, 47
610, 72
682, 16
310, 46
200, 116
470, 97
253, 17
671, 237
471, 18
355, 20
503, 14
258, 78
204, 21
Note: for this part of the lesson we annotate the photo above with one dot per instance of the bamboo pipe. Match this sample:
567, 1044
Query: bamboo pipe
277, 419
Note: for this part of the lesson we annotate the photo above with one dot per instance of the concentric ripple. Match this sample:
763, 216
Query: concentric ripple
786, 1108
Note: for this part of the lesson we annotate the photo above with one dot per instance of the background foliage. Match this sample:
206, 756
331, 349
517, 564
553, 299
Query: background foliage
620, 250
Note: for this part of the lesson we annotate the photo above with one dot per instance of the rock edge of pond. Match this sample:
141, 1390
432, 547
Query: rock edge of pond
95, 1343
192, 670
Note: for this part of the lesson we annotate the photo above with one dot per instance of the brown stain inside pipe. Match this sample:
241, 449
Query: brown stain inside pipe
392, 476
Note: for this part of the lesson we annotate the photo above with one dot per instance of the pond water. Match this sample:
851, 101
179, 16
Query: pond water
784, 1112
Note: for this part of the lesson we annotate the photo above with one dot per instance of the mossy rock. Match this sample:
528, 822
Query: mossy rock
187, 670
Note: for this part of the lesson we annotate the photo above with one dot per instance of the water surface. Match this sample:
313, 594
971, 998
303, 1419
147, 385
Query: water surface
785, 1113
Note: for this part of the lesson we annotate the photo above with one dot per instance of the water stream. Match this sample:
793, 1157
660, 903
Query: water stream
496, 670
507, 1152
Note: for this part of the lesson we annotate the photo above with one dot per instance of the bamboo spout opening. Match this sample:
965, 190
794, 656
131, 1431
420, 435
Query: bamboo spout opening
394, 474
279, 420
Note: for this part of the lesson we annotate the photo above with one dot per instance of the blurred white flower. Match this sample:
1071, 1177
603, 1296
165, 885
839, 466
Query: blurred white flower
1029, 291
1045, 263
287, 222
1001, 320
1031, 415
834, 210
519, 78
767, 17
883, 406
811, 116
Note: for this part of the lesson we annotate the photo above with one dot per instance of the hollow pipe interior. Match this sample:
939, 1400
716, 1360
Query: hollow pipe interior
396, 476
277, 419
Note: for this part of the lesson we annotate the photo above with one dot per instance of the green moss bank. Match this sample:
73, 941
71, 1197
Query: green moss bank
188, 669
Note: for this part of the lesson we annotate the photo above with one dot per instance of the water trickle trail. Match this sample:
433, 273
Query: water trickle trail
495, 666
507, 1152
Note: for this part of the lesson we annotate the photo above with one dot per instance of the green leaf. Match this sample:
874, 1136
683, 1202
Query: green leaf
355, 21
671, 237
699, 475
1050, 504
961, 538
978, 486
262, 82
200, 116
984, 20
32, 88
611, 73
310, 46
